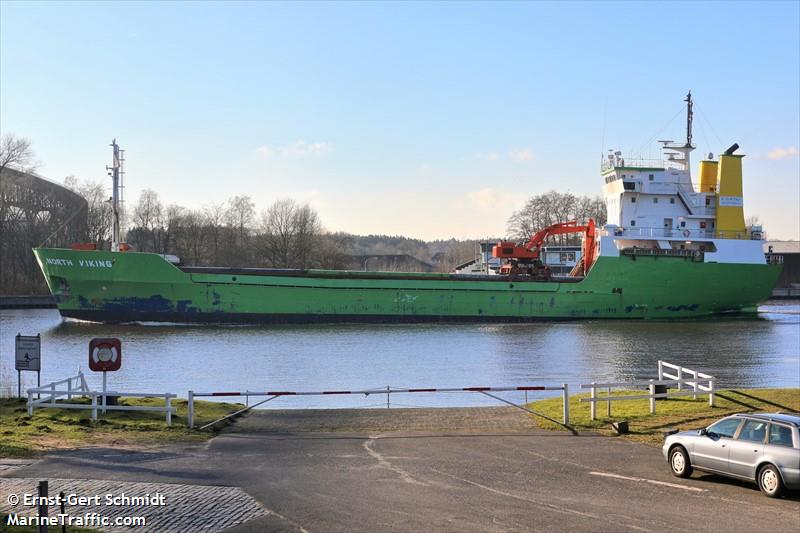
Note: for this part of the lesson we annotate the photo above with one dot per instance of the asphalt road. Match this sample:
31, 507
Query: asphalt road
447, 480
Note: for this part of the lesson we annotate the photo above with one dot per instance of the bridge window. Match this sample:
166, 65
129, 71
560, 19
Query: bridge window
633, 199
633, 222
655, 200
672, 200
652, 177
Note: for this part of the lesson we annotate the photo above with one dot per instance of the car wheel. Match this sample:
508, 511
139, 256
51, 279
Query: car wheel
770, 482
679, 462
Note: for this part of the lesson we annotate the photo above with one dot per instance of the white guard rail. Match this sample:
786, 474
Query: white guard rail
50, 394
271, 395
651, 384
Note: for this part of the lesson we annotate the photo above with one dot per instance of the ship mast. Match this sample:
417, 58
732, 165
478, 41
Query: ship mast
673, 149
114, 173
689, 117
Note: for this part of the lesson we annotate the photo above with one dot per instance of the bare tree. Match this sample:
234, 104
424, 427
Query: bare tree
16, 152
147, 217
551, 207
99, 208
290, 234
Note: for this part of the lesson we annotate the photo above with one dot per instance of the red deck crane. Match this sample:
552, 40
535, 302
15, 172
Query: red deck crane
526, 258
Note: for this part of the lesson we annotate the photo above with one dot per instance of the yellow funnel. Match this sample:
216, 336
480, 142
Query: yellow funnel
708, 176
730, 211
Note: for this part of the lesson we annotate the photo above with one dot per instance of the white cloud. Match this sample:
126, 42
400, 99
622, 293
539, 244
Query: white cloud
488, 156
296, 150
489, 199
521, 154
783, 153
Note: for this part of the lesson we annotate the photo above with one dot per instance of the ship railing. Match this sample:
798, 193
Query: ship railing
48, 396
657, 388
675, 233
388, 391
630, 162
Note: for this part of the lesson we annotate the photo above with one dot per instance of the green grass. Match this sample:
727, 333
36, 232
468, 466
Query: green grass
35, 529
680, 413
47, 429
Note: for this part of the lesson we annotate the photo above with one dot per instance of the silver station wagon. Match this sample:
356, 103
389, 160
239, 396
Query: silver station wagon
763, 448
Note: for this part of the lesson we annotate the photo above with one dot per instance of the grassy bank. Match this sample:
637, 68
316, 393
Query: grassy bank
47, 429
680, 413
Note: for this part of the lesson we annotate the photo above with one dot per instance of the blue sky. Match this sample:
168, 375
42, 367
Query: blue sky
432, 120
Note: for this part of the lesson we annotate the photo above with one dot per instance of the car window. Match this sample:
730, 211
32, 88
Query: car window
780, 435
725, 428
753, 431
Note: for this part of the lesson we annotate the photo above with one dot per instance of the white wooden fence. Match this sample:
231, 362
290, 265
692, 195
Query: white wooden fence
699, 381
50, 393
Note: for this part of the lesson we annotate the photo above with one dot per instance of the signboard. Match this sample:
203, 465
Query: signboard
105, 355
730, 201
28, 353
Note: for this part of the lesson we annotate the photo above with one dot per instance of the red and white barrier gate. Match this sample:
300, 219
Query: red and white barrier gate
271, 395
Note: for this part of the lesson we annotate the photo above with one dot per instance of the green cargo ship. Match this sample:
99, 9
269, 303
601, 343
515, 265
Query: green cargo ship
672, 248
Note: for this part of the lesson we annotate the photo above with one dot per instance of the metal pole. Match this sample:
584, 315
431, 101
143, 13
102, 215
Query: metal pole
242, 410
104, 392
63, 511
387, 396
94, 407
19, 383
69, 389
42, 506
652, 398
30, 403
565, 395
608, 404
168, 402
694, 384
531, 411
593, 403
190, 414
711, 387
38, 384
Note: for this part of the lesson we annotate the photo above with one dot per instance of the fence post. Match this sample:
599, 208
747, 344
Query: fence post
190, 415
652, 397
69, 389
660, 370
711, 387
53, 393
565, 395
94, 407
30, 403
694, 384
593, 405
168, 399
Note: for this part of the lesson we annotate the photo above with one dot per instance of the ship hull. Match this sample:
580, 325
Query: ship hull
104, 286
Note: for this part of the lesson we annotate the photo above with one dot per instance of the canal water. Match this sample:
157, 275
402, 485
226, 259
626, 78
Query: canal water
742, 351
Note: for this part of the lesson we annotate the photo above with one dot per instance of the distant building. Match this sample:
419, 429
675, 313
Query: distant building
786, 253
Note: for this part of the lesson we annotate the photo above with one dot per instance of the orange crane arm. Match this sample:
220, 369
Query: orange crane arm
532, 249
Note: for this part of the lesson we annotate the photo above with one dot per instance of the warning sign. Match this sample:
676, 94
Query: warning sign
28, 353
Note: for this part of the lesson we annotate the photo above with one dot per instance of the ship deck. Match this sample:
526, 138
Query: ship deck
357, 274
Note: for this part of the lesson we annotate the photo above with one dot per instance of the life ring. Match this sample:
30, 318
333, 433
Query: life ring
686, 233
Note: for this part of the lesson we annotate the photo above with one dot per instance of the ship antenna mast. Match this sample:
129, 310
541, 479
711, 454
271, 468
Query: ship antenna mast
115, 168
689, 117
